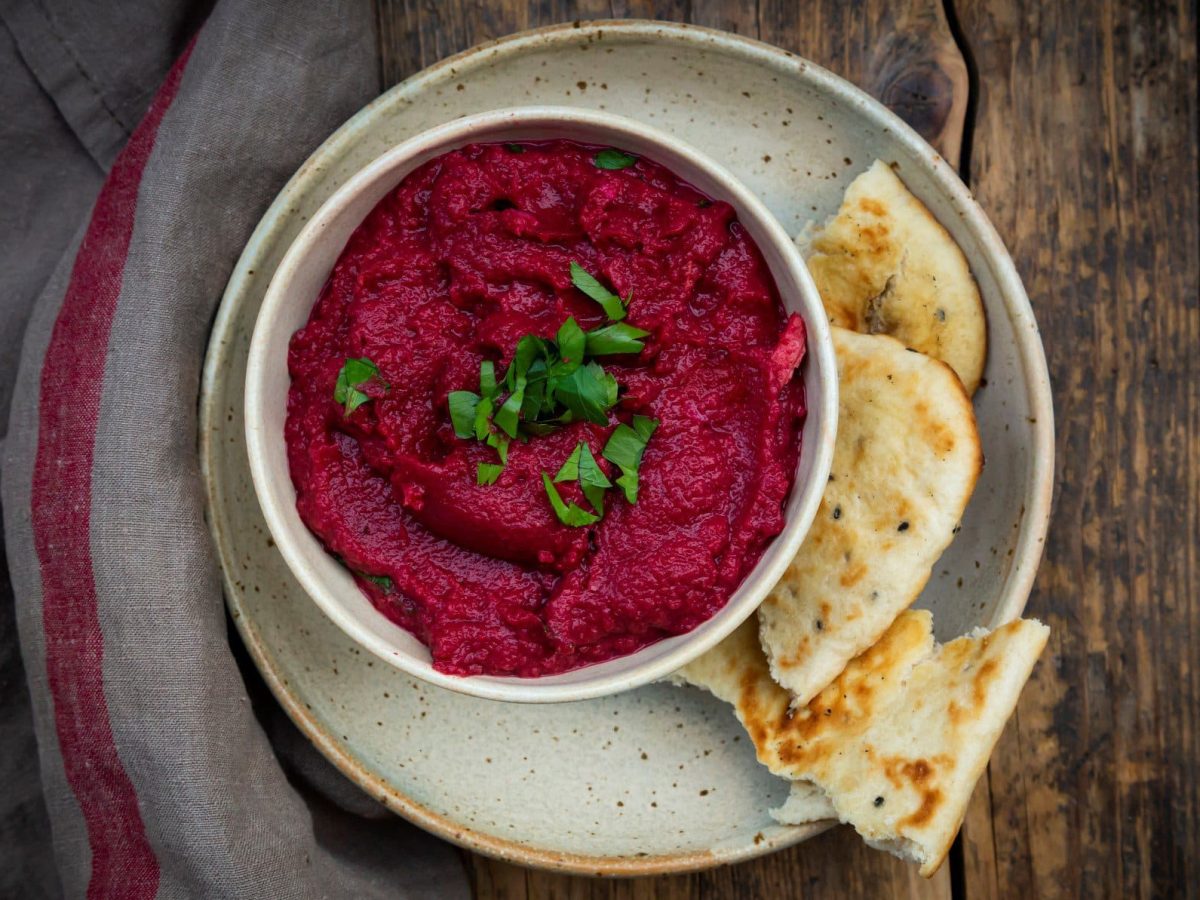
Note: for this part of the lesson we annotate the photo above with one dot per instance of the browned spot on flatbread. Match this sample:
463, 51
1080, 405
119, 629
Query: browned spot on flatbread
965, 655
915, 771
954, 713
803, 644
987, 673
854, 369
872, 206
853, 575
850, 701
930, 801
920, 774
748, 706
801, 652
875, 239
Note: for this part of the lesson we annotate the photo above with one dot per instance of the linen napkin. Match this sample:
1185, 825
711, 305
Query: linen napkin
142, 142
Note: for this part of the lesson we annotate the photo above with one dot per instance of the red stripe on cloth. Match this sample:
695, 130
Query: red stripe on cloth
123, 862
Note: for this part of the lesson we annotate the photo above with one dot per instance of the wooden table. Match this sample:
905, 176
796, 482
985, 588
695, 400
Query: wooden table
1077, 124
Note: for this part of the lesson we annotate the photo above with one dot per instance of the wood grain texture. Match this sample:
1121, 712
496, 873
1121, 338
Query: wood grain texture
835, 864
902, 52
1084, 154
1085, 157
919, 72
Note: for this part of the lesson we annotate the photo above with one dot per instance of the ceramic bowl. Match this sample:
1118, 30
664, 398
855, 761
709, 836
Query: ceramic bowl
305, 269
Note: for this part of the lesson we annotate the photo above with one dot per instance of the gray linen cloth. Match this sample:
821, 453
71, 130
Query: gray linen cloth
140, 143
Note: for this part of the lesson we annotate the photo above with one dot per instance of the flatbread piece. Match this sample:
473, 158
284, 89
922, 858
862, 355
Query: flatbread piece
905, 462
885, 265
898, 741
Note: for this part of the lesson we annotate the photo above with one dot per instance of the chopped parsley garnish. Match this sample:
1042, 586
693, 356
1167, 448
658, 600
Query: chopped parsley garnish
614, 306
571, 344
499, 443
588, 393
613, 159
620, 337
552, 382
487, 378
624, 450
547, 385
570, 469
380, 581
463, 405
507, 415
581, 466
355, 374
487, 473
569, 514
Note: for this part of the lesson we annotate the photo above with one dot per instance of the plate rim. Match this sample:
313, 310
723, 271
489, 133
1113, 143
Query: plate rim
1027, 552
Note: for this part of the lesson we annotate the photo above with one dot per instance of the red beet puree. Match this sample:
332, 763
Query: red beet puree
471, 252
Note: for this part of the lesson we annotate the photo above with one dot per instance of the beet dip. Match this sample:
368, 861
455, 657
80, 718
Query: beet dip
469, 255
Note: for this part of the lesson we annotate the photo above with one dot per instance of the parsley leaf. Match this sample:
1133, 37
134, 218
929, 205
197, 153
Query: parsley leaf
620, 337
571, 345
487, 473
610, 387
624, 449
463, 406
547, 426
573, 515
570, 469
354, 374
628, 482
592, 479
483, 412
381, 581
529, 348
537, 392
581, 466
614, 306
507, 416
499, 442
588, 392
645, 427
613, 159
488, 390
487, 379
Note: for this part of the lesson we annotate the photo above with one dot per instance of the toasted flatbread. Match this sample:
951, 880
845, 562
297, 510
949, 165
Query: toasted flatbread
905, 462
885, 265
898, 741
805, 803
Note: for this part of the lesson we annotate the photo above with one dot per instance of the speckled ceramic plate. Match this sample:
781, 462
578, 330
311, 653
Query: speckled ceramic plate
658, 779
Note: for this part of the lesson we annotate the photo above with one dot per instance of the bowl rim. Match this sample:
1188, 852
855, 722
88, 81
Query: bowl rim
280, 511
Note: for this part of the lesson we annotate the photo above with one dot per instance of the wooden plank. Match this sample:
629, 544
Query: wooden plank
903, 52
1085, 157
836, 864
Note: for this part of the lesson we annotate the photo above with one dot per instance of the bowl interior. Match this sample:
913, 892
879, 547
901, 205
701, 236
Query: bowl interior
290, 298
